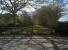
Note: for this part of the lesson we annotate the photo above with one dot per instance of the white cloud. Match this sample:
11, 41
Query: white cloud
29, 9
63, 18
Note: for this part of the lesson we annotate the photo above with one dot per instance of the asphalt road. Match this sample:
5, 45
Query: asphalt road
33, 43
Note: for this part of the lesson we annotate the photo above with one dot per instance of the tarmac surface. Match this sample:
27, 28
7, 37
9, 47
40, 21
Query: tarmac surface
33, 43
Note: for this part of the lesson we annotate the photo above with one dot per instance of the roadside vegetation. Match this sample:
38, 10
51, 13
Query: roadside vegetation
43, 22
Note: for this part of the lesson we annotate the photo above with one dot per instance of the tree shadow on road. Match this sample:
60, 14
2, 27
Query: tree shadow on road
65, 49
57, 41
32, 41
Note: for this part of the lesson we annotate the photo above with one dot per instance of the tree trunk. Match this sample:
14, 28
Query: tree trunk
14, 18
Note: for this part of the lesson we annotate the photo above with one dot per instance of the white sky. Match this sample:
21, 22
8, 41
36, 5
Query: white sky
28, 9
65, 12
63, 18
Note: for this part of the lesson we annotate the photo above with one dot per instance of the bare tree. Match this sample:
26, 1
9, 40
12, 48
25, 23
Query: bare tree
12, 6
48, 15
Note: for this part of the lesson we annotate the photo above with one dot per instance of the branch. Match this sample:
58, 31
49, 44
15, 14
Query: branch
23, 5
